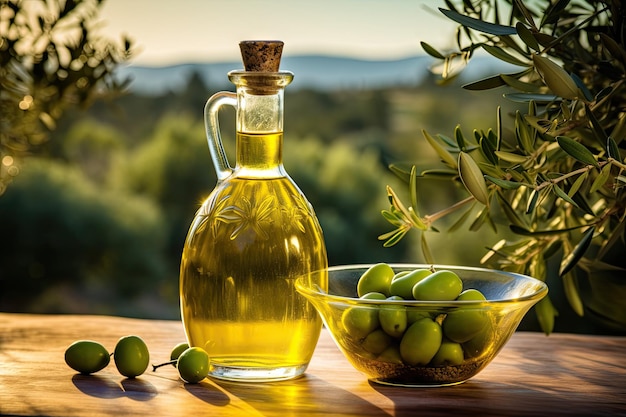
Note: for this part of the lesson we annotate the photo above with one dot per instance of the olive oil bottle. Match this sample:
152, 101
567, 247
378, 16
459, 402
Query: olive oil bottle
252, 237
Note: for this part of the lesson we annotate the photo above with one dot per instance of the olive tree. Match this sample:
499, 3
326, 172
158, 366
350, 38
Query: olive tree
51, 59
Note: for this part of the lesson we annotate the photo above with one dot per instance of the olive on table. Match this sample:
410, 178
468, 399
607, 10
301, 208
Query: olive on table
131, 356
193, 365
87, 356
177, 351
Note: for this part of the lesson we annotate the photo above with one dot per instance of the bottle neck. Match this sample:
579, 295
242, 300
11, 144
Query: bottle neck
260, 104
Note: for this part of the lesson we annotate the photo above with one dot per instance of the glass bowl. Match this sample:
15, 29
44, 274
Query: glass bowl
480, 328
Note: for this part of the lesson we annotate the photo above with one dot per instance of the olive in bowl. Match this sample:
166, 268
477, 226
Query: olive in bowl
421, 325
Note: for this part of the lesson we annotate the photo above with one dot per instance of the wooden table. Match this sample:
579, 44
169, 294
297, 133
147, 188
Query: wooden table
534, 375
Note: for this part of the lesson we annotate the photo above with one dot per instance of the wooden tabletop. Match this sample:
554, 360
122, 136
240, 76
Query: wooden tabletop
534, 375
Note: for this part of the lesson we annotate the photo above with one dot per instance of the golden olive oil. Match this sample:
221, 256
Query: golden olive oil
253, 236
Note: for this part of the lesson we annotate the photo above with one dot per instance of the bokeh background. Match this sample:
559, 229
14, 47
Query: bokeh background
94, 219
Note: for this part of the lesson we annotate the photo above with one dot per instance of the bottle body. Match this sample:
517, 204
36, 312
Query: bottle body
253, 236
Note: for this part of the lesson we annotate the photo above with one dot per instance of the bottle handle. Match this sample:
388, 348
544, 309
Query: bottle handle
212, 127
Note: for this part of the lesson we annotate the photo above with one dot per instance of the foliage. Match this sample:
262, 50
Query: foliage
341, 182
51, 59
173, 169
555, 177
66, 231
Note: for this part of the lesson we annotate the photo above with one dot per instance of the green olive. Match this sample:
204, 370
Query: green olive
400, 274
413, 315
449, 353
403, 285
393, 318
420, 342
480, 343
463, 324
439, 286
193, 365
391, 355
361, 321
87, 356
376, 279
131, 356
376, 342
176, 352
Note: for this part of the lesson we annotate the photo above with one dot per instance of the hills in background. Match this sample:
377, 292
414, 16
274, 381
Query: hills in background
311, 71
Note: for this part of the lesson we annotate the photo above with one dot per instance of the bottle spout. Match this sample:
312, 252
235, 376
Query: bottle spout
261, 55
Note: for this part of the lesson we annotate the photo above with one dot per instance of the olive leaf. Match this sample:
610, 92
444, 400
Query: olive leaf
578, 183
509, 185
546, 312
486, 83
393, 237
409, 216
443, 174
555, 77
504, 56
428, 256
559, 192
392, 217
601, 179
514, 82
579, 250
527, 36
443, 153
596, 126
488, 150
511, 157
612, 149
519, 5
532, 201
577, 150
472, 178
413, 188
544, 233
480, 219
523, 134
526, 97
553, 13
432, 51
460, 139
479, 25
583, 88
461, 220
571, 293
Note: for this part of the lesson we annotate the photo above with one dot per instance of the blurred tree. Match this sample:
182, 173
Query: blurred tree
93, 146
173, 169
51, 58
66, 232
340, 180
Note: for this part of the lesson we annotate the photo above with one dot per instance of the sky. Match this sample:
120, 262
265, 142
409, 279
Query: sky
167, 32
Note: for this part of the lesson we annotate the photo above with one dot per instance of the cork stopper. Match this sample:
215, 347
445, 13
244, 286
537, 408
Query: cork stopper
261, 56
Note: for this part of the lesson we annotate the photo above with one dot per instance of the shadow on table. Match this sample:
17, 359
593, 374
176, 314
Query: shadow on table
305, 395
100, 387
484, 398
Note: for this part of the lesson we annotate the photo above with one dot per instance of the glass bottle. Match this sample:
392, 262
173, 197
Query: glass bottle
251, 238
